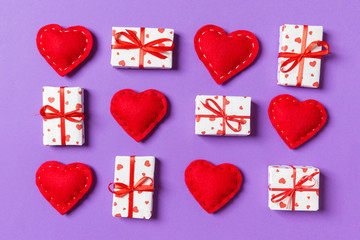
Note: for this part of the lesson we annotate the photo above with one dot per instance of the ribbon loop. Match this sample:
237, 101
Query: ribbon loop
54, 113
121, 189
295, 58
218, 111
152, 47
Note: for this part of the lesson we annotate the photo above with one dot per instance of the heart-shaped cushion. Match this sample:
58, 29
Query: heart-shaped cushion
138, 113
64, 49
212, 186
63, 185
225, 55
296, 122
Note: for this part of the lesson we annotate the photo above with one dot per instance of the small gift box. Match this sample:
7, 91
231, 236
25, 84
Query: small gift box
63, 116
133, 187
142, 47
294, 188
300, 52
222, 115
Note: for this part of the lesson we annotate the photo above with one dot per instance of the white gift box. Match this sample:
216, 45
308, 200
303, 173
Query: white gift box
61, 122
126, 50
295, 39
294, 188
129, 171
222, 115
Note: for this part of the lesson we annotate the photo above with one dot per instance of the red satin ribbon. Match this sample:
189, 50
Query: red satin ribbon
123, 189
220, 112
298, 186
136, 43
298, 58
54, 113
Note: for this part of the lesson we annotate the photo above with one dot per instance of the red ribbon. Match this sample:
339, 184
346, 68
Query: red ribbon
220, 112
298, 58
298, 186
123, 189
54, 113
136, 43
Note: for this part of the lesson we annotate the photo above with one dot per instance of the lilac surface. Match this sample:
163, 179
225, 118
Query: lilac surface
26, 215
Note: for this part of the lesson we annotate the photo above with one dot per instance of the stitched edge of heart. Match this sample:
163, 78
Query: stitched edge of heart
238, 68
308, 135
224, 200
63, 72
139, 136
89, 179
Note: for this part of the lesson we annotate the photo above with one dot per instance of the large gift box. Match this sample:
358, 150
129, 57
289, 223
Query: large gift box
222, 115
300, 52
142, 47
133, 187
294, 188
63, 116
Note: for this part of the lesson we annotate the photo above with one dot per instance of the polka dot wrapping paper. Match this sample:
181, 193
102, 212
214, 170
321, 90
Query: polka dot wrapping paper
142, 47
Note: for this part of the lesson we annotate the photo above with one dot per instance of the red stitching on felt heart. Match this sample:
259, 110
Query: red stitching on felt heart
62, 209
220, 31
189, 179
139, 135
307, 135
80, 58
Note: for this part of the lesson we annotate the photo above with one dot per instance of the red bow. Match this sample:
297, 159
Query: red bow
221, 113
70, 116
124, 189
295, 58
290, 192
137, 43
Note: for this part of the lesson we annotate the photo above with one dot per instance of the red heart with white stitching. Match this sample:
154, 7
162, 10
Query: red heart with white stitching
212, 186
138, 113
63, 185
64, 49
225, 55
296, 122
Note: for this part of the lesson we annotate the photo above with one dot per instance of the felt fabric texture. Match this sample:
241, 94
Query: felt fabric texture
225, 55
138, 113
64, 49
296, 122
212, 186
63, 185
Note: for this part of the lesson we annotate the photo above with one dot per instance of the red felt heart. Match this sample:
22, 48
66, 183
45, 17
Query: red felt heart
138, 113
63, 185
225, 55
64, 49
296, 122
212, 186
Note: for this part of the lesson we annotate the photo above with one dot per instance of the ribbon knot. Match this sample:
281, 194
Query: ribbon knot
299, 186
218, 111
295, 58
121, 189
152, 47
73, 116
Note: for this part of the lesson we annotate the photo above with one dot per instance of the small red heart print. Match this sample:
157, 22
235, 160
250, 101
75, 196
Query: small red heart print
277, 170
117, 53
241, 108
310, 32
78, 106
287, 36
119, 166
282, 205
149, 62
220, 132
147, 163
203, 132
118, 215
304, 170
67, 138
216, 97
147, 35
284, 48
296, 26
51, 99
197, 118
122, 63
161, 30
298, 40
124, 209
283, 28
133, 58
135, 209
226, 102
286, 75
68, 91
308, 206
115, 204
146, 202
282, 180
312, 74
79, 126
143, 174
59, 126
49, 130
67, 102
212, 118
296, 204
212, 128
163, 66
54, 140
313, 63
308, 197
80, 92
77, 142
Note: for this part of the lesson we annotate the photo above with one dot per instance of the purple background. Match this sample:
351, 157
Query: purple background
26, 215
